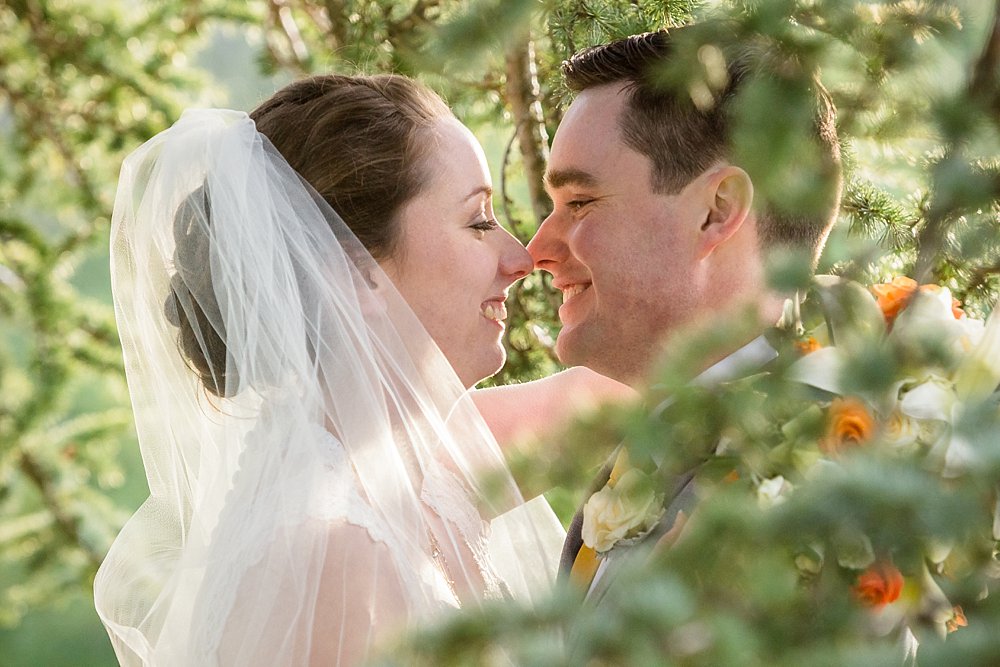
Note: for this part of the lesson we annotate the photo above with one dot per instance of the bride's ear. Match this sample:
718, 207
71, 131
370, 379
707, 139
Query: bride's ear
371, 277
729, 193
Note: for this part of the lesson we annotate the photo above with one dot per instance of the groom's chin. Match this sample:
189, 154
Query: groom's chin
587, 346
571, 348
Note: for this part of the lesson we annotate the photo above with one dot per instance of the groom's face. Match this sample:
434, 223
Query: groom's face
623, 255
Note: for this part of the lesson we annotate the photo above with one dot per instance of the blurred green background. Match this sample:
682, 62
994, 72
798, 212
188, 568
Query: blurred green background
84, 83
225, 59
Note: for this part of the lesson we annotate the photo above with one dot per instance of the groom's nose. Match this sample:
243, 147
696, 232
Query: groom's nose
548, 247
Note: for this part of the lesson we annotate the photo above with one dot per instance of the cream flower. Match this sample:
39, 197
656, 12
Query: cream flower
930, 311
854, 549
773, 492
822, 369
626, 509
933, 399
901, 431
979, 373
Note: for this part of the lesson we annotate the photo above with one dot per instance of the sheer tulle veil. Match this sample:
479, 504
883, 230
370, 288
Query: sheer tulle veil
338, 486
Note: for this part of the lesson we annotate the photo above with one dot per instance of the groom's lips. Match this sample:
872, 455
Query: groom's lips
571, 293
570, 290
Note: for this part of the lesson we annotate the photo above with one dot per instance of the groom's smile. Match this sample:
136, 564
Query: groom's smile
574, 302
570, 291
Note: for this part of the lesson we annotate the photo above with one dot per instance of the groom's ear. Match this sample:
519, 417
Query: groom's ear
729, 199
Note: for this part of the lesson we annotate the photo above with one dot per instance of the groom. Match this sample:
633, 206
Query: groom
655, 229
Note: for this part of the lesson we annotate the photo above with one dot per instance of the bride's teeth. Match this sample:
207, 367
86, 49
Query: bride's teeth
495, 312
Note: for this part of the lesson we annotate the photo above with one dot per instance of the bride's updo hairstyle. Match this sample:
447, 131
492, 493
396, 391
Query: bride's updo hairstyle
360, 142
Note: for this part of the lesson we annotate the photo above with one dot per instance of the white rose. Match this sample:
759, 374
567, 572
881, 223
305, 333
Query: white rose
979, 373
625, 510
931, 400
930, 313
822, 369
960, 457
854, 549
972, 332
773, 491
928, 306
901, 431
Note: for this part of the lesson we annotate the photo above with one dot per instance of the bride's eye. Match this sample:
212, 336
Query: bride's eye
483, 226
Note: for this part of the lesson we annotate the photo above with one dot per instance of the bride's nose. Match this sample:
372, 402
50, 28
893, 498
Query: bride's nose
515, 262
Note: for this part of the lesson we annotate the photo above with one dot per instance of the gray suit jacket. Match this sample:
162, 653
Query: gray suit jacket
680, 494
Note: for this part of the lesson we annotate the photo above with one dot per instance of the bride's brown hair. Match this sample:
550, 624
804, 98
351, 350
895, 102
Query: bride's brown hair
360, 142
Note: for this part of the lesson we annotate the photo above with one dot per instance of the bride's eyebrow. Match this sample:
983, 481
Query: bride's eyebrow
481, 190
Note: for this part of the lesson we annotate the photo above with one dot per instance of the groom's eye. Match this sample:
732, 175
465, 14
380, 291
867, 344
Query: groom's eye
577, 204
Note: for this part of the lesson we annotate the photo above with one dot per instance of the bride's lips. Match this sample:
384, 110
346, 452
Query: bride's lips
494, 310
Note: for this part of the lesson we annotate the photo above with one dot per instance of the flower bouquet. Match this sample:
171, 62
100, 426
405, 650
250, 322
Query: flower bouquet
898, 379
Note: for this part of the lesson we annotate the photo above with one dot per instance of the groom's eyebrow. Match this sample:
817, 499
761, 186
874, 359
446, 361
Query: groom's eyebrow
559, 178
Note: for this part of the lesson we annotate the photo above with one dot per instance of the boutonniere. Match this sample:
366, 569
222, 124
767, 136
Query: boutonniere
623, 512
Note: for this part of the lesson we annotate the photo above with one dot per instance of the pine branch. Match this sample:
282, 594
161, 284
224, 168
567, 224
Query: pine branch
64, 520
981, 94
876, 214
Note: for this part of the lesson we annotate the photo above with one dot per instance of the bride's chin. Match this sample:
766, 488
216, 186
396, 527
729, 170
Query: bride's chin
486, 365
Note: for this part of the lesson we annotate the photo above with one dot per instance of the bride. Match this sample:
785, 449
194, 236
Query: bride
304, 297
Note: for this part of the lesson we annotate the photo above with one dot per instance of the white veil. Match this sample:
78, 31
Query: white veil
338, 493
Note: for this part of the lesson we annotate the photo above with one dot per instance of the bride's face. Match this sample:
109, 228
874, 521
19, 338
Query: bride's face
453, 263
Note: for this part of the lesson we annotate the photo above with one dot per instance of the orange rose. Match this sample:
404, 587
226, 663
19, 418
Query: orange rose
957, 619
848, 424
807, 346
893, 297
879, 585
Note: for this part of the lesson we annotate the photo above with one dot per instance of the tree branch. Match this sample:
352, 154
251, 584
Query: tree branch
983, 90
523, 93
66, 523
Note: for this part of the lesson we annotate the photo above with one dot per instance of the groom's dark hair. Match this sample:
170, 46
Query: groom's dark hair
684, 132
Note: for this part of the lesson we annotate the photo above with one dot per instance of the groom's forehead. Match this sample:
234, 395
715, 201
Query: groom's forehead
589, 140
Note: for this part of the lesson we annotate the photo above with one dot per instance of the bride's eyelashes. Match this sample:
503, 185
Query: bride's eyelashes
483, 226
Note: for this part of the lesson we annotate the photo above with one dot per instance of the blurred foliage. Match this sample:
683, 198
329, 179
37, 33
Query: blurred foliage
774, 563
917, 89
80, 84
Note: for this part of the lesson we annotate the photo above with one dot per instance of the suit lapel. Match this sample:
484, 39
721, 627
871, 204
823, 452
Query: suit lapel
756, 355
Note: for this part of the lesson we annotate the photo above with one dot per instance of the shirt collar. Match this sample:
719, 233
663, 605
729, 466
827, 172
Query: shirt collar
748, 358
